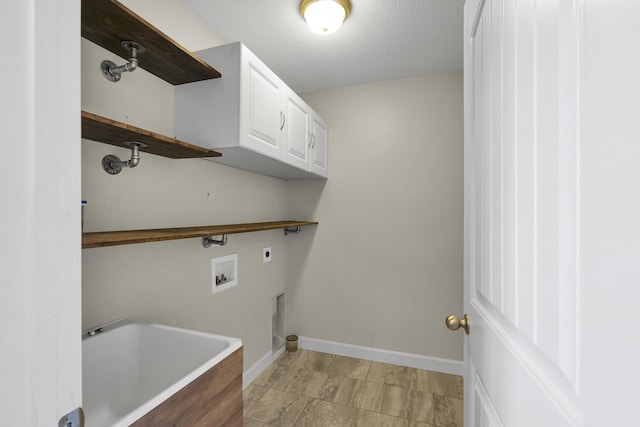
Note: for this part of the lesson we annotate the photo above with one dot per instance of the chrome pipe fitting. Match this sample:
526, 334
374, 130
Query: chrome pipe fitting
113, 165
113, 72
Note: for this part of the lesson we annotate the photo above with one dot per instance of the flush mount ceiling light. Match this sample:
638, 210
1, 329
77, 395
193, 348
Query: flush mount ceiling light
325, 16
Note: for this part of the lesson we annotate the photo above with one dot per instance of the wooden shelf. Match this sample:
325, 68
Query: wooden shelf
101, 129
107, 23
115, 238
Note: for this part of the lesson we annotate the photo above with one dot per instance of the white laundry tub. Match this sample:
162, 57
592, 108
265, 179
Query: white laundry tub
130, 367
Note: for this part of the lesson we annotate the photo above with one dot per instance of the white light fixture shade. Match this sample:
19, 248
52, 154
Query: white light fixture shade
325, 16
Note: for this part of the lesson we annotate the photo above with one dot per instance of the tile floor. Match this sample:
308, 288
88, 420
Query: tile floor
308, 388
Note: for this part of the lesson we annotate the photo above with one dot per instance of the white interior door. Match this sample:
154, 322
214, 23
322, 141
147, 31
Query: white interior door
40, 373
522, 224
552, 208
610, 211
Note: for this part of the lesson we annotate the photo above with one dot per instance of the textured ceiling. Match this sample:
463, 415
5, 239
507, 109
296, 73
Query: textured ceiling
381, 40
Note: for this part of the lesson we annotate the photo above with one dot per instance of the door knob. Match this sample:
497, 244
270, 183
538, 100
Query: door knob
454, 323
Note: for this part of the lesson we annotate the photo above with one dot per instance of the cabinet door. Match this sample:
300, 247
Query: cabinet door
319, 146
297, 135
261, 118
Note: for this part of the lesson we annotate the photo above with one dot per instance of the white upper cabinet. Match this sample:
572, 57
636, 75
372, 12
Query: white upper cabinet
319, 145
261, 112
297, 134
250, 116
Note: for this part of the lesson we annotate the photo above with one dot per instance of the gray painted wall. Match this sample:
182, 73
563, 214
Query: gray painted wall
385, 266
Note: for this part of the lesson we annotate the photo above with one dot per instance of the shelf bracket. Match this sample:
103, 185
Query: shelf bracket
288, 230
113, 72
113, 165
207, 241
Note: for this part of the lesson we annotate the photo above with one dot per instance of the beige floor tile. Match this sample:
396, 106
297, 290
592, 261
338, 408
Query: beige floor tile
374, 419
370, 396
390, 374
313, 361
287, 359
349, 391
247, 422
320, 413
448, 411
304, 358
308, 383
278, 408
443, 384
251, 395
330, 388
360, 394
326, 390
460, 384
263, 378
283, 377
413, 423
397, 401
406, 403
349, 367
422, 407
420, 380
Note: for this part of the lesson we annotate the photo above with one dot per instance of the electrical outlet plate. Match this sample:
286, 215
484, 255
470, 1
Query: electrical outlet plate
266, 254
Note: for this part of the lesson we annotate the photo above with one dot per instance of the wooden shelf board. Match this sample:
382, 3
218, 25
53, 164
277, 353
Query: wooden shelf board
102, 129
115, 238
108, 22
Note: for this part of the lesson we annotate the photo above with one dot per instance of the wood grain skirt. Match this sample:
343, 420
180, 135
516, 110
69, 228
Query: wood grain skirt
214, 399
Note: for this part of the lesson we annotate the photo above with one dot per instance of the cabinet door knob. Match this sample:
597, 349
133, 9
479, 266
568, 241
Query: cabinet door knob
283, 120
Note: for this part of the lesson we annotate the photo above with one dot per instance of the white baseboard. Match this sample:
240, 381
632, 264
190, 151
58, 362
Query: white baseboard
254, 371
447, 366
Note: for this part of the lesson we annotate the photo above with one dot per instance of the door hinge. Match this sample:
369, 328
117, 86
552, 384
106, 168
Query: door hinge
74, 418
